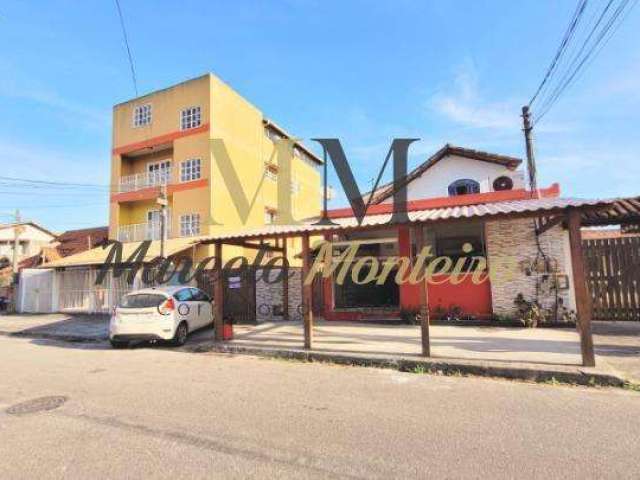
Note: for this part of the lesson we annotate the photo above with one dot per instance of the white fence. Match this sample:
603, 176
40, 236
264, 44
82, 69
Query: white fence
71, 291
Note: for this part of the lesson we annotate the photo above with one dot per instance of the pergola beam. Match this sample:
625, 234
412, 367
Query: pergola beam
583, 301
307, 299
285, 281
255, 246
218, 293
418, 234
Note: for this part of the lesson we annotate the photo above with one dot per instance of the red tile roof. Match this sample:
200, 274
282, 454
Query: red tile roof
456, 201
76, 241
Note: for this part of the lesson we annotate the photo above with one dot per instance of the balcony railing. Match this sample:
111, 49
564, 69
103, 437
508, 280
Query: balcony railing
138, 232
138, 181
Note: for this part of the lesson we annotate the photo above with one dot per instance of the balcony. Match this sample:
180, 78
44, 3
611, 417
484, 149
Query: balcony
138, 232
138, 181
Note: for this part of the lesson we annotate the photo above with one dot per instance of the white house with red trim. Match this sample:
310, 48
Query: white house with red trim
469, 182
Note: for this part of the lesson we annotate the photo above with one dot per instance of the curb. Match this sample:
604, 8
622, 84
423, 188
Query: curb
567, 375
576, 376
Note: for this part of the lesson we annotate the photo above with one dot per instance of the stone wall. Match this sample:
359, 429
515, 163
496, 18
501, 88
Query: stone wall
512, 243
270, 294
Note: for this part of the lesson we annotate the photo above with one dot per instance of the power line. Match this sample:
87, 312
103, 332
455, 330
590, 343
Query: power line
574, 61
80, 194
126, 42
50, 182
580, 60
74, 205
562, 48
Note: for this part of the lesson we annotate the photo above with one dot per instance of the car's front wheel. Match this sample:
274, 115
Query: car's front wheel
118, 344
180, 337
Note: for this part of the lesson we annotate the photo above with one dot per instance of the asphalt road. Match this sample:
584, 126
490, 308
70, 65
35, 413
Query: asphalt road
159, 413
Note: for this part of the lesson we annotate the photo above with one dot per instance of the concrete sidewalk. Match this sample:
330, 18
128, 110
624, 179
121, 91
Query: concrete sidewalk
543, 354
535, 354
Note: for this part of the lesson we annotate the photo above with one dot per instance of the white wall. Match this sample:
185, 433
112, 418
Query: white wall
436, 180
34, 238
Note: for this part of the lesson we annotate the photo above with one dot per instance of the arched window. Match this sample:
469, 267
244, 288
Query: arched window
464, 186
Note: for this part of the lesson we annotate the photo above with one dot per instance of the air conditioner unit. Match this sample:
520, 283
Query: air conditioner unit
508, 181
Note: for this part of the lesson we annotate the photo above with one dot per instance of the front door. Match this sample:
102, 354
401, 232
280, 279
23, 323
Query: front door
158, 172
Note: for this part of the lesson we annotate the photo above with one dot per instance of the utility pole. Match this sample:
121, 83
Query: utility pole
17, 229
162, 201
531, 159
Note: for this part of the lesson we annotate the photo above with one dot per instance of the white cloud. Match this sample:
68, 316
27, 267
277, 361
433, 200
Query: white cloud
464, 105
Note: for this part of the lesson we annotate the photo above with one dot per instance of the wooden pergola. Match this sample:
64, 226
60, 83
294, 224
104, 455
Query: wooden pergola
573, 215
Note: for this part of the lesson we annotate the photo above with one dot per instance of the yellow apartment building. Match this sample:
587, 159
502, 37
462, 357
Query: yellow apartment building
168, 142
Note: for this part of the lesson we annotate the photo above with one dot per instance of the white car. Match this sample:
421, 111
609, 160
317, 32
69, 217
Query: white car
160, 313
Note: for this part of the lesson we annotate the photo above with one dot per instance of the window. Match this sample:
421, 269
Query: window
190, 170
142, 115
272, 134
158, 173
295, 187
270, 215
183, 295
271, 171
190, 118
464, 187
189, 225
142, 300
198, 295
460, 241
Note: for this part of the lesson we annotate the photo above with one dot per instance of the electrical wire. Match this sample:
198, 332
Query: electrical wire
49, 182
603, 36
574, 62
580, 8
126, 42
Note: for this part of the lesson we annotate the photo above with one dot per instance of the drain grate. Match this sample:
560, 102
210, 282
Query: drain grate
40, 404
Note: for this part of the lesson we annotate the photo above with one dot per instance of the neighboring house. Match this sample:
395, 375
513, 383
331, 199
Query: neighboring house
68, 243
37, 288
31, 238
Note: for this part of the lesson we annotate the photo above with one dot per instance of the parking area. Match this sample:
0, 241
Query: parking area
76, 327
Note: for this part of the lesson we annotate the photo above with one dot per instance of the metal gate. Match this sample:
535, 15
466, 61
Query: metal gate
240, 295
36, 292
613, 277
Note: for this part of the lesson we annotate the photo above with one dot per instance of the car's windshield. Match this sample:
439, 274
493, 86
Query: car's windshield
142, 300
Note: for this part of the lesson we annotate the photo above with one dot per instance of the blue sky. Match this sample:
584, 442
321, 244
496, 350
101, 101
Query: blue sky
363, 71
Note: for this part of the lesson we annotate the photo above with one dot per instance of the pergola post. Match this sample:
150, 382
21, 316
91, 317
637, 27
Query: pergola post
285, 281
307, 300
424, 295
218, 293
583, 302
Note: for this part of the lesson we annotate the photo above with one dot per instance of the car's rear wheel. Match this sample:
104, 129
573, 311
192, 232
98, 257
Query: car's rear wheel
118, 344
180, 337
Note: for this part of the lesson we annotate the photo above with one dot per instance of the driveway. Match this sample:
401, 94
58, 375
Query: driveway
77, 327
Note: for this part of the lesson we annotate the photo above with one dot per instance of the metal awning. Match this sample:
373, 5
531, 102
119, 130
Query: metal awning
97, 256
590, 209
